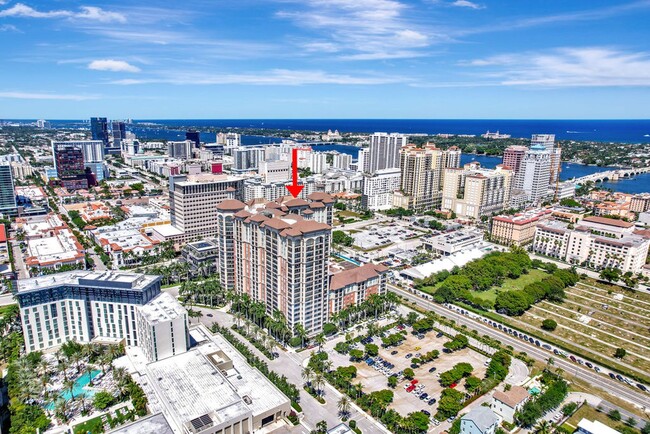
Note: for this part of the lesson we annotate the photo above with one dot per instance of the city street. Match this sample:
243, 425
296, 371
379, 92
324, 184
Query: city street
616, 388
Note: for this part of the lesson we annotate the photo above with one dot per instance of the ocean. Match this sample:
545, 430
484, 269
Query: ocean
621, 131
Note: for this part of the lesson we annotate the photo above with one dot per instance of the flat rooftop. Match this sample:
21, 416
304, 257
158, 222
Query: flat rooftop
61, 247
162, 308
191, 385
106, 279
155, 423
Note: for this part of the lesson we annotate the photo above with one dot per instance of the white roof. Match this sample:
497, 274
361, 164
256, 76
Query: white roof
167, 230
190, 385
596, 427
446, 263
162, 308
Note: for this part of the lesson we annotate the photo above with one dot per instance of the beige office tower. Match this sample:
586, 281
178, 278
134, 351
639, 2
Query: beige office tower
277, 253
422, 175
472, 192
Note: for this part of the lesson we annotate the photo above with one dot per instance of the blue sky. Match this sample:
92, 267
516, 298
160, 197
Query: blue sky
325, 59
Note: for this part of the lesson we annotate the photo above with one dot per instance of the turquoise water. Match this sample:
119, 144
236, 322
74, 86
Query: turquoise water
347, 259
78, 388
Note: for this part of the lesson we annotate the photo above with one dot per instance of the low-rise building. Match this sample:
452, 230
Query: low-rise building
352, 286
4, 249
202, 256
608, 227
453, 242
506, 404
50, 243
211, 389
586, 426
591, 244
518, 229
640, 203
124, 242
481, 420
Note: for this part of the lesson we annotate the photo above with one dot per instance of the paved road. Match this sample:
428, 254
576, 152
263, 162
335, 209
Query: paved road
638, 398
19, 263
290, 364
7, 299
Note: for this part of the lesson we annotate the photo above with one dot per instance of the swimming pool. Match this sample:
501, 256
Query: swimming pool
78, 388
347, 259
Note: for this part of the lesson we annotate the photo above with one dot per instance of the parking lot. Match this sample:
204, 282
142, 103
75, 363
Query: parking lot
375, 377
382, 236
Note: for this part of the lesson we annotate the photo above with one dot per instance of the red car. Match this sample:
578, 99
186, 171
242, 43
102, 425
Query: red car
414, 382
410, 388
452, 385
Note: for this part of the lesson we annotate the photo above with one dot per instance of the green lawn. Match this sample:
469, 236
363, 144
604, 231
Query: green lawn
92, 426
533, 275
590, 413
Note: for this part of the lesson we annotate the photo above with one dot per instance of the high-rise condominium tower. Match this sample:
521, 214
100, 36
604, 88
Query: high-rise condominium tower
548, 142
534, 175
384, 151
422, 175
276, 252
474, 192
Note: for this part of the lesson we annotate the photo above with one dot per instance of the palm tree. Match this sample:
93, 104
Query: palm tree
543, 427
307, 374
300, 331
320, 341
69, 386
344, 406
358, 389
319, 381
61, 410
327, 365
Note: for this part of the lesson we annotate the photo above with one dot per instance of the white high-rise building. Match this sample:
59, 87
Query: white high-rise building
247, 158
229, 141
384, 151
163, 328
534, 174
182, 150
363, 160
548, 142
378, 189
193, 202
275, 171
82, 306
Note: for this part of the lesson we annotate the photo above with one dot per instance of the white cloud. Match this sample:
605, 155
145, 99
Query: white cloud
86, 13
50, 96
569, 67
467, 4
112, 65
360, 29
276, 77
8, 27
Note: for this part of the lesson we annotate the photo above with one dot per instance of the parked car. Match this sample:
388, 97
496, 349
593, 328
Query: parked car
426, 412
439, 335
432, 369
409, 355
424, 396
392, 353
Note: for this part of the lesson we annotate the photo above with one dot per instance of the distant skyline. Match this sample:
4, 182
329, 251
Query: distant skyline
297, 59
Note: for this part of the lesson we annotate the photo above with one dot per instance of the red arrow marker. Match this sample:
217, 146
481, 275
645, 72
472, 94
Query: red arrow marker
294, 189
